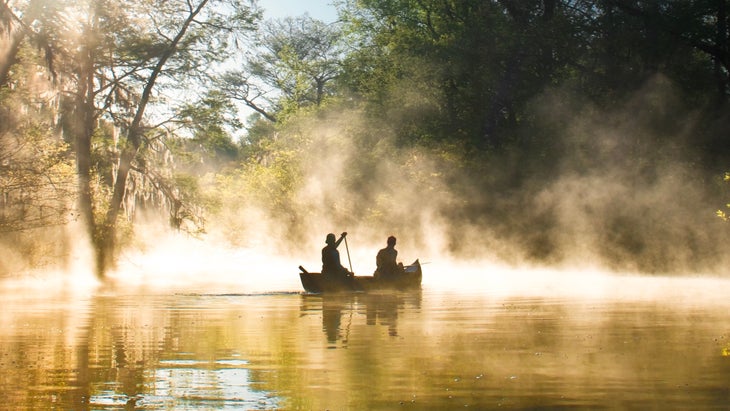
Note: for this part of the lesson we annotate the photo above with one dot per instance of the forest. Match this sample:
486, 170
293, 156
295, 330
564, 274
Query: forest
539, 132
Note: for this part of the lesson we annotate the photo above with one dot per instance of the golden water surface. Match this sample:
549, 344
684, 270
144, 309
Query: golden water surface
429, 350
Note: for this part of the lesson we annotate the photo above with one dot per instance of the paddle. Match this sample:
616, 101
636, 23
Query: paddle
348, 255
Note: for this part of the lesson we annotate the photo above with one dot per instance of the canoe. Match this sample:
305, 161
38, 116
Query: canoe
316, 283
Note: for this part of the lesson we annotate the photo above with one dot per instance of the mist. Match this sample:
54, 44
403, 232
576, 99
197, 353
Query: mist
619, 190
562, 201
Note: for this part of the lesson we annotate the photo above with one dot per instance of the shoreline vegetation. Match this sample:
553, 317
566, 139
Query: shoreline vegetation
541, 132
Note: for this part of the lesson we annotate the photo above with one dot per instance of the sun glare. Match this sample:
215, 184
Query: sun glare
183, 263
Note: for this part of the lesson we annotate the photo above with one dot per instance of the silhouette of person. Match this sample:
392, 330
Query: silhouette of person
385, 261
331, 258
331, 319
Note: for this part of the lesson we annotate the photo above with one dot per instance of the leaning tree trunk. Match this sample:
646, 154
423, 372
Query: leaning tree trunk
108, 231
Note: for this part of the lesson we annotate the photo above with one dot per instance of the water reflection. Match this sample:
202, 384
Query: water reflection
151, 352
338, 310
390, 351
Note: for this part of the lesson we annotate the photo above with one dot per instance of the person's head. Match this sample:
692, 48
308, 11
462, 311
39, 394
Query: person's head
391, 241
330, 239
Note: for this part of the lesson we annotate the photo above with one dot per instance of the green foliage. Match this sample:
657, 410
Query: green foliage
37, 190
36, 180
471, 68
721, 213
210, 123
294, 66
115, 68
483, 108
270, 172
267, 180
37, 184
477, 105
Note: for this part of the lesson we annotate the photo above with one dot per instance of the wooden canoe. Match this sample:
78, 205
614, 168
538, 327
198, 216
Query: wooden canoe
316, 283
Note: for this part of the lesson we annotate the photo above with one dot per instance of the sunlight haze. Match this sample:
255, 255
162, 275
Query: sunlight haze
386, 205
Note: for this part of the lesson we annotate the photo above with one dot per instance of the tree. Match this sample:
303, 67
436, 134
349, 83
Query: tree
122, 63
211, 122
36, 179
37, 189
699, 25
34, 21
469, 67
293, 64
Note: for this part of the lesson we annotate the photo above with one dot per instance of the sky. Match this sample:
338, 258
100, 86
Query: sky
319, 9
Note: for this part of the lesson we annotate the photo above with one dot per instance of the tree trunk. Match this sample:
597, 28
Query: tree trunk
106, 247
107, 234
84, 125
10, 57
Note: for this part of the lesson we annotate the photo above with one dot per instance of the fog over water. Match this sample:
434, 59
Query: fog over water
580, 266
191, 267
619, 191
625, 201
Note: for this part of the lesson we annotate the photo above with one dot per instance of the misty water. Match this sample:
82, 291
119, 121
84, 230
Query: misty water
472, 338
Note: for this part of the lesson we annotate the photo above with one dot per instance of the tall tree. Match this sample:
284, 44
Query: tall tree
34, 173
472, 66
127, 59
673, 25
292, 64
36, 21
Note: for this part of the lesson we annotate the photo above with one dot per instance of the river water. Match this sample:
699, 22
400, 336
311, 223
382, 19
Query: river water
508, 341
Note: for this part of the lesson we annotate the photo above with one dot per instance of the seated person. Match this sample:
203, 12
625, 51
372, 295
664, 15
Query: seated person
387, 267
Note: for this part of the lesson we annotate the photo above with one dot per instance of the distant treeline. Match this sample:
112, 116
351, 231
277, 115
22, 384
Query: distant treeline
544, 131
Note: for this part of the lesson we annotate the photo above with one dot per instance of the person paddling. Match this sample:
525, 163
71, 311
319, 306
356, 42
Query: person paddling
331, 265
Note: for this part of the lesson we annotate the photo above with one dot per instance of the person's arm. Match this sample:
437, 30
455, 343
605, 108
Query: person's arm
342, 237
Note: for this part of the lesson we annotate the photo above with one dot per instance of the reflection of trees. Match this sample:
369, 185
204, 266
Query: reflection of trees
40, 363
115, 351
241, 351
